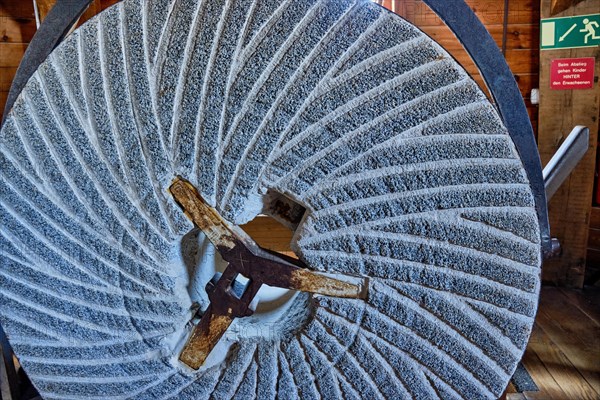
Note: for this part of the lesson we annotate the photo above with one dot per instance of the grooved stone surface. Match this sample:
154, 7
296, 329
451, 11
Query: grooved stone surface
407, 174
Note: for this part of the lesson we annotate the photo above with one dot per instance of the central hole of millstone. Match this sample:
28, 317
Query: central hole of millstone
273, 306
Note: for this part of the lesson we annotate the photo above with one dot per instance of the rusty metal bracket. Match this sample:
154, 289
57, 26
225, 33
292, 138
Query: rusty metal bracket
244, 257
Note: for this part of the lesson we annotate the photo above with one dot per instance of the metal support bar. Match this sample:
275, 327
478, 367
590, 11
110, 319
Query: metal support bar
565, 159
561, 165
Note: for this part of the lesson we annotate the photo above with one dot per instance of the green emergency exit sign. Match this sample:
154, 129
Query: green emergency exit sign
570, 32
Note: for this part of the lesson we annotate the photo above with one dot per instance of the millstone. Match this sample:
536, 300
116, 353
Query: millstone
406, 172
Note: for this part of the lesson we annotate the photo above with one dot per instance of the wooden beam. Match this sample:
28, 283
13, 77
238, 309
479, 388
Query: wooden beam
559, 6
11, 54
592, 268
560, 111
17, 29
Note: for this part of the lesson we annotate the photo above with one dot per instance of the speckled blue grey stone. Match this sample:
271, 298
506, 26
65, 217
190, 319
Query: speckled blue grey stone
406, 172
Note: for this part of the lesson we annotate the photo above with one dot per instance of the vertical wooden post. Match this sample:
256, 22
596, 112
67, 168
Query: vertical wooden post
560, 111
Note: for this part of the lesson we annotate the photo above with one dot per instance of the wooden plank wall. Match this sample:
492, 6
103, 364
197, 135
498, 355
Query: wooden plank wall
522, 37
17, 26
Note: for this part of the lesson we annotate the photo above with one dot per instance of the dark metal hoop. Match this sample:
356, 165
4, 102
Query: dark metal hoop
499, 79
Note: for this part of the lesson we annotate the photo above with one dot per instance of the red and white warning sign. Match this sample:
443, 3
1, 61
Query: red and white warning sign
572, 73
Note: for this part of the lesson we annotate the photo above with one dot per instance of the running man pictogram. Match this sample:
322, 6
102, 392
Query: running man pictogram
590, 28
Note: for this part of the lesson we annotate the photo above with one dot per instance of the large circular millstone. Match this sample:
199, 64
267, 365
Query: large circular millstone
405, 170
